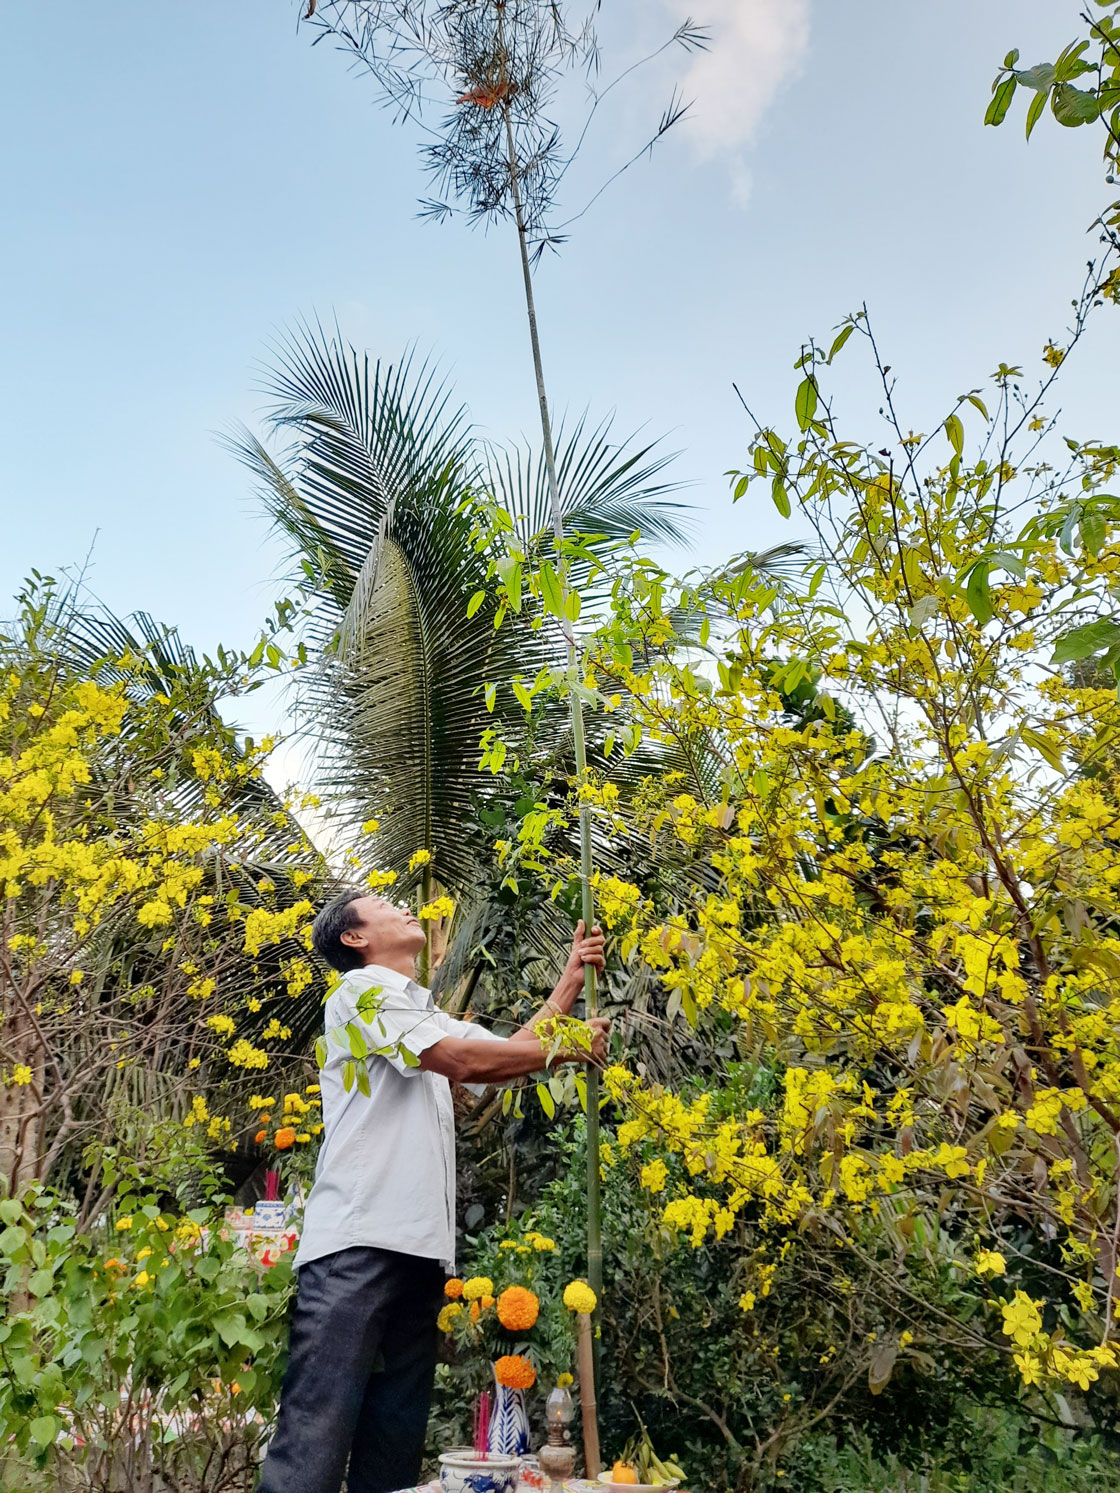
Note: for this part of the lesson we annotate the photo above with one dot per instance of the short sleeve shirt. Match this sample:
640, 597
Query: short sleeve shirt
386, 1170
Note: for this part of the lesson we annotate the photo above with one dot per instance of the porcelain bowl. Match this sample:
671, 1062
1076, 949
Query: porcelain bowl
464, 1471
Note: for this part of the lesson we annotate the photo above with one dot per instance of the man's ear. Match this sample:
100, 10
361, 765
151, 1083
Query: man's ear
353, 938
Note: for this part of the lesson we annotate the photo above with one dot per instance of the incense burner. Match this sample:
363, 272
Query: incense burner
464, 1471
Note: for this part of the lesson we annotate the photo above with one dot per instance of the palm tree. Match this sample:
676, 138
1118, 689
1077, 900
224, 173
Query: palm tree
373, 493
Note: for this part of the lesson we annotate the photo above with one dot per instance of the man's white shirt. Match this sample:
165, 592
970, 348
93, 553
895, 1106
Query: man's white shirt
386, 1170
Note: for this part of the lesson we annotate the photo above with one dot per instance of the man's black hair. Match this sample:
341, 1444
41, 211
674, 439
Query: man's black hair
332, 921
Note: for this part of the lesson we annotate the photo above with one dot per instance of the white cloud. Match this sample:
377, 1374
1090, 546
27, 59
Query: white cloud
756, 46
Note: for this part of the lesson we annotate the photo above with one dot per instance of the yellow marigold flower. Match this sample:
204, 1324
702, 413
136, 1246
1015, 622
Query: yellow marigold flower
518, 1309
447, 1316
303, 1135
579, 1297
312, 1088
477, 1287
515, 1371
122, 1224
563, 1381
453, 1288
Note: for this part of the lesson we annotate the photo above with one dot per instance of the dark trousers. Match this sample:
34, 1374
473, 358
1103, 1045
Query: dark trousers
360, 1371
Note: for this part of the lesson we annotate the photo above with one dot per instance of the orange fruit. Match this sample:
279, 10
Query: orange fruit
623, 1472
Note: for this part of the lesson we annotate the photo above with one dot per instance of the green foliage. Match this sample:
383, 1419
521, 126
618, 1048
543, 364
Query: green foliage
150, 1340
1081, 86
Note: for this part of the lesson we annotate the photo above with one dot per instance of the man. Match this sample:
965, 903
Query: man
379, 1228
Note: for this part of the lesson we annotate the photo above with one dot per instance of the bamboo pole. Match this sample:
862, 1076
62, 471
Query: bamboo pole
424, 962
589, 1412
579, 740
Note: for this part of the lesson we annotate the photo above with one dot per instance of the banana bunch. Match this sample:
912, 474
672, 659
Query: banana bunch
648, 1466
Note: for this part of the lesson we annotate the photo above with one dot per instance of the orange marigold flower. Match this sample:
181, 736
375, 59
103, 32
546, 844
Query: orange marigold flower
476, 1311
260, 1135
515, 1371
453, 1288
487, 1303
518, 1309
285, 1138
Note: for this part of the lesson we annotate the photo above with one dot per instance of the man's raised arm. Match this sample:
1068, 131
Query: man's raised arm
463, 1060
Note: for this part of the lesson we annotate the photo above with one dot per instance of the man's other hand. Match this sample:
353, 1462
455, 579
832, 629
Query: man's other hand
601, 1032
587, 948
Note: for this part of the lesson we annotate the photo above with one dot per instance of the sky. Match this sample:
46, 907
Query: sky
182, 182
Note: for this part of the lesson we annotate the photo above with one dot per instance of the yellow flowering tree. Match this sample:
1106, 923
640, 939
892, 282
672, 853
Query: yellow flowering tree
889, 865
154, 916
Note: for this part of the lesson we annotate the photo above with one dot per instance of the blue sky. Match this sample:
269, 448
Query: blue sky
181, 182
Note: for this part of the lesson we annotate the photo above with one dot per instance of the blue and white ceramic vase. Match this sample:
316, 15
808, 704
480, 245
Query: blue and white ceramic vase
509, 1424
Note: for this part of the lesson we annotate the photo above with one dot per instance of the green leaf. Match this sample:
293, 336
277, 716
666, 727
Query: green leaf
475, 602
358, 1044
257, 1306
321, 1051
363, 1080
348, 1075
781, 499
1001, 102
490, 695
978, 403
43, 1430
572, 606
839, 341
1042, 77
230, 1326
13, 1239
40, 1282
1093, 530
548, 1104
1073, 106
1045, 749
523, 695
955, 431
1004, 560
551, 590
1034, 113
806, 402
977, 593
1086, 641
